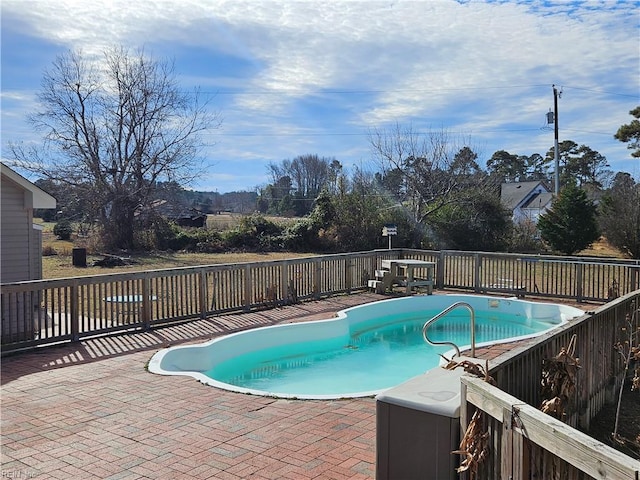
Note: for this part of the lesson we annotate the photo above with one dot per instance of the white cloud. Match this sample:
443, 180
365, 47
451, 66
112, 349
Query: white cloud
476, 67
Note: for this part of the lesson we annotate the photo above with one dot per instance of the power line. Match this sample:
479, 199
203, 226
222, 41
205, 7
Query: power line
587, 131
361, 134
400, 90
289, 134
603, 92
341, 134
362, 92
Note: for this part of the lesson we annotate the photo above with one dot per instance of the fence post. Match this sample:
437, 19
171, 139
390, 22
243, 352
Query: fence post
477, 269
579, 289
202, 298
634, 271
514, 458
248, 290
506, 445
75, 313
316, 278
348, 265
440, 270
284, 282
146, 303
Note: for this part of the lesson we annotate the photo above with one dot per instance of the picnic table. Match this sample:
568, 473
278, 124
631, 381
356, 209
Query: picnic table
403, 272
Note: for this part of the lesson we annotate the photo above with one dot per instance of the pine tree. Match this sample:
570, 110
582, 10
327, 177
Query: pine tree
571, 224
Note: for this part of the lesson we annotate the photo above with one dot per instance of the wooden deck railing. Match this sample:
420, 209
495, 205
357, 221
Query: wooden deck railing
68, 309
579, 278
527, 443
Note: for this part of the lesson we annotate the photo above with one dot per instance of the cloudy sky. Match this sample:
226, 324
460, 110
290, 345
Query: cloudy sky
316, 77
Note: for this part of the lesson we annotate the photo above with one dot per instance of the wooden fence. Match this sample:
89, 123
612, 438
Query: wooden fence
68, 309
526, 443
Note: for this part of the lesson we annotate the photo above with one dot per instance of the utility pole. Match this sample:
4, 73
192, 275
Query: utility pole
556, 155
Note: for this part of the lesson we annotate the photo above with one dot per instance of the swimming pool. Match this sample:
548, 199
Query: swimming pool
363, 351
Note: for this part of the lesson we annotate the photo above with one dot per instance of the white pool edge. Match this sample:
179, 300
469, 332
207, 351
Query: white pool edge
155, 364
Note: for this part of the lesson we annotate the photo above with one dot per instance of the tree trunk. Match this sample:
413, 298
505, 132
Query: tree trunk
119, 228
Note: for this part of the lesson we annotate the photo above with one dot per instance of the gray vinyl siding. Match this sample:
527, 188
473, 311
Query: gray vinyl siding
36, 254
16, 235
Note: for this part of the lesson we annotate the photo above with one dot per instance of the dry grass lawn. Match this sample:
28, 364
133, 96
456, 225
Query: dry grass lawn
59, 265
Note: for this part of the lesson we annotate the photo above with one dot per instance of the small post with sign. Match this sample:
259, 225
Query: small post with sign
389, 230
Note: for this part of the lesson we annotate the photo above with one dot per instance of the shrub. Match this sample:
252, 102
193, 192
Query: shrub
525, 238
237, 239
211, 242
254, 233
303, 236
63, 230
48, 251
164, 235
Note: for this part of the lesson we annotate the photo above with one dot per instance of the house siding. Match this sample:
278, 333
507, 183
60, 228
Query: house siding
36, 252
526, 200
20, 252
16, 235
21, 259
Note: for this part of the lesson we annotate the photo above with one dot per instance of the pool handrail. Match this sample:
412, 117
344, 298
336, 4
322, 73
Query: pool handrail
442, 314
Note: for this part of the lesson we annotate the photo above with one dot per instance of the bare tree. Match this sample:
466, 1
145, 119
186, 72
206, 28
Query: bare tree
112, 129
620, 214
307, 174
435, 170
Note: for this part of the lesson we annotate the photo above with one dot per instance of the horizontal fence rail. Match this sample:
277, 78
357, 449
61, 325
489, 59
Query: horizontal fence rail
527, 443
601, 367
45, 312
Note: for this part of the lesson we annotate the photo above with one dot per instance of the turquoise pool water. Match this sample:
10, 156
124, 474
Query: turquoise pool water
368, 360
363, 351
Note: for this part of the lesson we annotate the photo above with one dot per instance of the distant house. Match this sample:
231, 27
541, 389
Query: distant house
176, 212
527, 200
195, 219
20, 246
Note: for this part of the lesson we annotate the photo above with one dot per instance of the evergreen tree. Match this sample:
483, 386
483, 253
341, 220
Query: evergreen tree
571, 224
630, 133
620, 214
482, 223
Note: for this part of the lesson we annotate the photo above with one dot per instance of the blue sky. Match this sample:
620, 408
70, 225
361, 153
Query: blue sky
290, 78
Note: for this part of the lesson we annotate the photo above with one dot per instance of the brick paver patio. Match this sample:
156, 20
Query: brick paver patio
91, 410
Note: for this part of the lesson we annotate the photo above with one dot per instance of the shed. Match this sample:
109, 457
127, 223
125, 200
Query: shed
20, 242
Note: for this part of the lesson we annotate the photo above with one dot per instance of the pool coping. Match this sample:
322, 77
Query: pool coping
339, 322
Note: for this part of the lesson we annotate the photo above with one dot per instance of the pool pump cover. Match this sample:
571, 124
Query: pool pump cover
418, 426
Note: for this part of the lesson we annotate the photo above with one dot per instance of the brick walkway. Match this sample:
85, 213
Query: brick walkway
91, 410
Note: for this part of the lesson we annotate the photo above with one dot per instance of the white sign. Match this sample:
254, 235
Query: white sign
389, 230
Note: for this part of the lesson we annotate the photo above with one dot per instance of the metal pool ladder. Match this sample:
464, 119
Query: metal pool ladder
442, 314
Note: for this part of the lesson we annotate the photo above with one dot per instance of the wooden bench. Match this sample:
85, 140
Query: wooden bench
128, 305
506, 285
